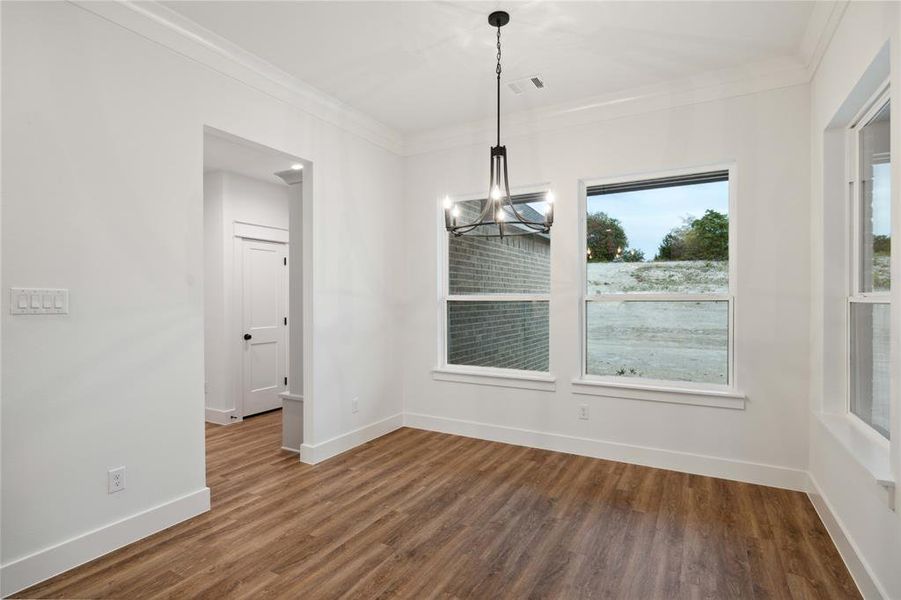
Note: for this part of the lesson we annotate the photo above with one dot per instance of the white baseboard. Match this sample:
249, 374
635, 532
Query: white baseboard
860, 571
698, 464
44, 564
221, 417
316, 453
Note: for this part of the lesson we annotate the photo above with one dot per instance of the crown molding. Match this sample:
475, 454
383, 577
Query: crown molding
821, 27
708, 87
171, 30
604, 108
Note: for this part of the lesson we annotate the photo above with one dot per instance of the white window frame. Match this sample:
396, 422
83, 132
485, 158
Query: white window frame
641, 388
854, 246
515, 378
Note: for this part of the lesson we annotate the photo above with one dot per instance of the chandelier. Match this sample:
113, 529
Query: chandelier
498, 215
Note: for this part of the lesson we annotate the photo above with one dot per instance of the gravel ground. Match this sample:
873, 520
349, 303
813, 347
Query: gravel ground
677, 341
688, 277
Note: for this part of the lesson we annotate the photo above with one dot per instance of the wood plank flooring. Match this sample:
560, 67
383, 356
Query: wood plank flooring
417, 514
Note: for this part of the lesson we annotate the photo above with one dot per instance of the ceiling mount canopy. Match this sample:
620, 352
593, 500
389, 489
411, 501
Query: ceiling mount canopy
498, 215
498, 18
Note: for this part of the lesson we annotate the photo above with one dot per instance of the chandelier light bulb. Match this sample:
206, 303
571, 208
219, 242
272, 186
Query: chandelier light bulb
496, 192
447, 202
549, 197
455, 211
501, 216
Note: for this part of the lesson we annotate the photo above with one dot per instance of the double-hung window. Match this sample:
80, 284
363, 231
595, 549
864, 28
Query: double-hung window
658, 304
869, 300
496, 294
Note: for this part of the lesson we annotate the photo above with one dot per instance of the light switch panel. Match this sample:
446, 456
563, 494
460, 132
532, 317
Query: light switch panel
32, 301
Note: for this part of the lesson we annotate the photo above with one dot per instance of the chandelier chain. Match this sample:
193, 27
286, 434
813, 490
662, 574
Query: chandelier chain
498, 70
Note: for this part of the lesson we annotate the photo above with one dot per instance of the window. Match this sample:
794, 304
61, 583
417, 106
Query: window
869, 299
658, 302
497, 293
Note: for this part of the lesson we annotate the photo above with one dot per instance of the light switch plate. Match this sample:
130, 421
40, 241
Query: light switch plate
38, 301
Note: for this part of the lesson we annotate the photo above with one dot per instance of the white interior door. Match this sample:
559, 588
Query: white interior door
265, 294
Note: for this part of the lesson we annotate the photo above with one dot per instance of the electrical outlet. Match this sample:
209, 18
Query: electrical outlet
116, 480
583, 412
355, 405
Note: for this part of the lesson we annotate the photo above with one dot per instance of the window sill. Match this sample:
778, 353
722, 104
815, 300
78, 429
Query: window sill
658, 393
870, 453
527, 380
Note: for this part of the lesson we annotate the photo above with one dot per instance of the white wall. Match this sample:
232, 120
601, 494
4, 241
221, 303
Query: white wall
229, 198
766, 135
102, 133
866, 525
102, 194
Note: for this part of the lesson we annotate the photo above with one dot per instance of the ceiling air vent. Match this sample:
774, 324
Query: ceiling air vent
527, 84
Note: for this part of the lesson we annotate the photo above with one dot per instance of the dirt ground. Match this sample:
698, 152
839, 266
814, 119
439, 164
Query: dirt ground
677, 341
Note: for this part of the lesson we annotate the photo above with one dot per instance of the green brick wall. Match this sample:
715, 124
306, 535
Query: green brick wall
510, 335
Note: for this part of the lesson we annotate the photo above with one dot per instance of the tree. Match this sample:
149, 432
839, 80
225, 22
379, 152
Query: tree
605, 236
673, 245
632, 256
882, 245
706, 238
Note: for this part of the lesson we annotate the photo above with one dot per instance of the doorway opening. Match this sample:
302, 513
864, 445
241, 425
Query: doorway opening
253, 357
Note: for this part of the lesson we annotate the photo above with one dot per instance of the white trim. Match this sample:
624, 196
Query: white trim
312, 454
707, 87
663, 392
171, 30
292, 430
291, 450
509, 378
658, 297
860, 570
711, 466
49, 562
867, 457
821, 26
185, 37
597, 109
266, 233
498, 297
220, 416
863, 443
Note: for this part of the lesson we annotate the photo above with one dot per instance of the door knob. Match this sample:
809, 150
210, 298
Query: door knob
247, 336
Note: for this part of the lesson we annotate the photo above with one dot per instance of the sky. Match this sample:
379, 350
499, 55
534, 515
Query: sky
648, 215
882, 200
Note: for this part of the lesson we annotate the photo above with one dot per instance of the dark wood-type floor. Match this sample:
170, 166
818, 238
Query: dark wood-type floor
416, 514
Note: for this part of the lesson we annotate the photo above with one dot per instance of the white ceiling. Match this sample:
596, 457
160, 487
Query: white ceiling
416, 66
223, 153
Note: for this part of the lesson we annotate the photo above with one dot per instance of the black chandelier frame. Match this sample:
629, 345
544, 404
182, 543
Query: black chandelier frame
499, 204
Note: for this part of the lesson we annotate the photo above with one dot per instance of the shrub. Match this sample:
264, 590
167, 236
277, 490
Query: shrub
632, 256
